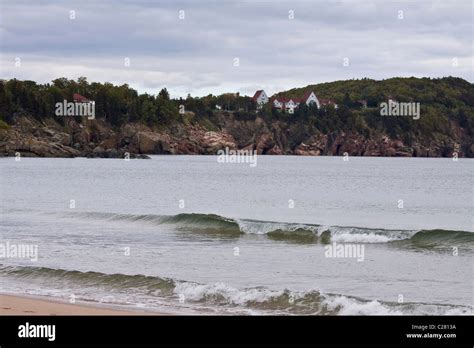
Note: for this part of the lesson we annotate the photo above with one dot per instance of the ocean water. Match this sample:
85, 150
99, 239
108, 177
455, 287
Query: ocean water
189, 235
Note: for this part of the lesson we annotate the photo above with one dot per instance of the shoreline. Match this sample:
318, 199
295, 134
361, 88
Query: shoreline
151, 155
42, 305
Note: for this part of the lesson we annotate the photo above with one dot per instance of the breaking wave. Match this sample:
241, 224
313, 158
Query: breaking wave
226, 299
211, 224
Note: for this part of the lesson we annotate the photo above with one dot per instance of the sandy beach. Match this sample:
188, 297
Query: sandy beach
15, 305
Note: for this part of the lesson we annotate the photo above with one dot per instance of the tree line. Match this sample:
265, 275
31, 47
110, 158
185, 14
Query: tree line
443, 101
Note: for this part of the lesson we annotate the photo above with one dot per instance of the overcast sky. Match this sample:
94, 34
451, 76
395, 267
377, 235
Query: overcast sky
197, 54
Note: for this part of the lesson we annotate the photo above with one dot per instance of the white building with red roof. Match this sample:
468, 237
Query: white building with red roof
287, 104
283, 103
309, 98
260, 97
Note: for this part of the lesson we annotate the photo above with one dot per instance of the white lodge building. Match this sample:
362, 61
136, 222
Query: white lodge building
286, 104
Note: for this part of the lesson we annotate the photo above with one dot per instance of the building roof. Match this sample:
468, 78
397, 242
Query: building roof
296, 100
284, 100
79, 98
257, 94
323, 101
279, 99
326, 101
306, 95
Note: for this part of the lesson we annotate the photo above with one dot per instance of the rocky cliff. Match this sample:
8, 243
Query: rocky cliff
96, 138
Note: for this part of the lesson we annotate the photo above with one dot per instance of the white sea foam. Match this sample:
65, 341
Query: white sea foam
224, 293
349, 306
359, 235
262, 227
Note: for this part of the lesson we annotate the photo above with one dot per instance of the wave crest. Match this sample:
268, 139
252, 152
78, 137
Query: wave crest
212, 224
258, 300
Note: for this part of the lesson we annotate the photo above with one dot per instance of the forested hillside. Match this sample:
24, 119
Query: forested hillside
446, 122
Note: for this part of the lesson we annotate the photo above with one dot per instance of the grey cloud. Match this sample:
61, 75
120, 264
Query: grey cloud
196, 54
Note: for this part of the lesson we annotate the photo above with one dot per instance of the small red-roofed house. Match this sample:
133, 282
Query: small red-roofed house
328, 102
260, 97
80, 99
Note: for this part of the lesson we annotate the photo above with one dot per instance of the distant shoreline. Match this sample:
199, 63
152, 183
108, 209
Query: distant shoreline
150, 156
397, 117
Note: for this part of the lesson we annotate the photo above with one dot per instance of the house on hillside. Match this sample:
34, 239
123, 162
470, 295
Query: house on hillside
260, 97
80, 99
328, 102
291, 104
278, 103
309, 98
287, 104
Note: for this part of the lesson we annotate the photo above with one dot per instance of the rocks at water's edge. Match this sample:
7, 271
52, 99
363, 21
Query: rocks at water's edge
96, 139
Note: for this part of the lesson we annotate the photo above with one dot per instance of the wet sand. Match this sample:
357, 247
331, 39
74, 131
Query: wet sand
16, 305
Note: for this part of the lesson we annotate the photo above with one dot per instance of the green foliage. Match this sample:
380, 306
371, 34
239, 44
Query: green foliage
444, 102
3, 124
116, 104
